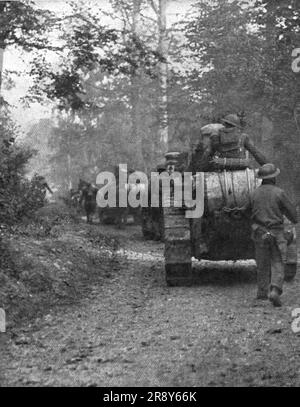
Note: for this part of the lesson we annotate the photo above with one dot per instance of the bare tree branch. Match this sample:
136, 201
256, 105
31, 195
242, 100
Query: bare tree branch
153, 5
148, 18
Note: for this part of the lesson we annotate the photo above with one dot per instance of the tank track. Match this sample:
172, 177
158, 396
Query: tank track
178, 263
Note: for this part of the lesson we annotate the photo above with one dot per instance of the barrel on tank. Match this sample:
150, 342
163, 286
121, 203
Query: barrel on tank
217, 235
228, 189
222, 234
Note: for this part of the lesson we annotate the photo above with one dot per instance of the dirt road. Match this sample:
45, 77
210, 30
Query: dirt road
130, 329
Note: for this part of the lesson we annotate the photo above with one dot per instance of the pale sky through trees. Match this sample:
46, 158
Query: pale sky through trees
15, 60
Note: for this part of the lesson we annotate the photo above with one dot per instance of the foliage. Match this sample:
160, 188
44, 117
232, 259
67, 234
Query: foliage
223, 57
245, 58
22, 24
18, 195
88, 46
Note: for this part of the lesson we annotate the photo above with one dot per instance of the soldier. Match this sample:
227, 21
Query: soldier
41, 182
40, 188
268, 206
88, 193
225, 146
75, 197
201, 157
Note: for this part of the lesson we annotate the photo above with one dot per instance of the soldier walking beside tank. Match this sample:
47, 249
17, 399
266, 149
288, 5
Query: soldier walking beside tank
268, 205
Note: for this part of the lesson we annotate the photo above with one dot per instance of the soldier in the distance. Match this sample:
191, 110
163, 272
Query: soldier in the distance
40, 184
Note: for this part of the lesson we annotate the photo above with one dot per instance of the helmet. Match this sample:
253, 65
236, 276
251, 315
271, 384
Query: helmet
232, 119
267, 171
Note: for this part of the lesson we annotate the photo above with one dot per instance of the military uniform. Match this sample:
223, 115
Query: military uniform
269, 204
41, 183
224, 146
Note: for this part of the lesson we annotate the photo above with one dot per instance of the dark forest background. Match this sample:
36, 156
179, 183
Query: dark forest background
130, 90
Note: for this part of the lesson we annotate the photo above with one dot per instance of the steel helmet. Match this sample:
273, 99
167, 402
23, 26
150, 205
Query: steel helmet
232, 119
267, 171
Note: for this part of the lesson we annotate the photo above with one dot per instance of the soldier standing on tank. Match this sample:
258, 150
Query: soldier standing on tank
268, 205
225, 146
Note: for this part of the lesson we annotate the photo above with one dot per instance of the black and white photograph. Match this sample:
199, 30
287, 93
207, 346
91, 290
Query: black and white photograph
149, 196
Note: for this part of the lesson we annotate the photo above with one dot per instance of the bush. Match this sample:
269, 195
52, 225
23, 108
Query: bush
18, 196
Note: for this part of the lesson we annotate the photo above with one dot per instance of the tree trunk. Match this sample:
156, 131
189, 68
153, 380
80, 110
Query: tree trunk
163, 76
2, 47
69, 172
1, 65
136, 140
267, 142
271, 41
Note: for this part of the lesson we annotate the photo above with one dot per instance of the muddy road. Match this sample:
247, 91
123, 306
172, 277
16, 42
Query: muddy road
130, 329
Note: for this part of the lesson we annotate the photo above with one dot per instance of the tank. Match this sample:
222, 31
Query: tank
223, 232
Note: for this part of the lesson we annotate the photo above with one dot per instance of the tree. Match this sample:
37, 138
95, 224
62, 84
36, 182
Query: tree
131, 18
22, 25
242, 58
279, 24
37, 140
92, 49
163, 45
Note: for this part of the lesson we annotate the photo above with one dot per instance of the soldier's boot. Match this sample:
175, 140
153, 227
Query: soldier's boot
274, 297
263, 283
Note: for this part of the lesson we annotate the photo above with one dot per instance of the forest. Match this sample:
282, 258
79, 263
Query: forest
135, 296
127, 81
